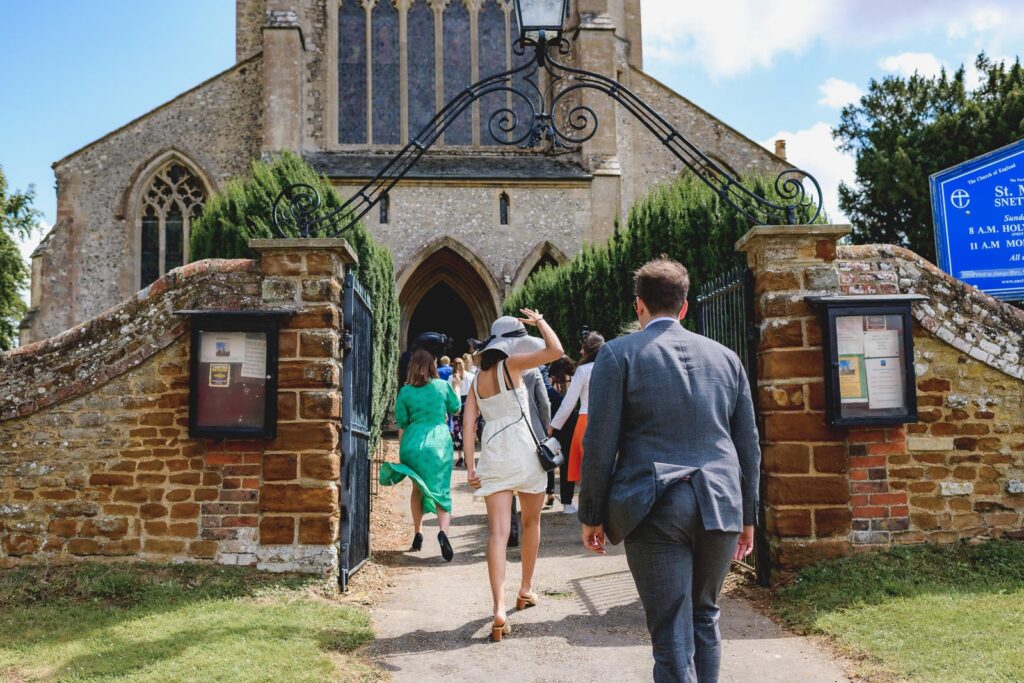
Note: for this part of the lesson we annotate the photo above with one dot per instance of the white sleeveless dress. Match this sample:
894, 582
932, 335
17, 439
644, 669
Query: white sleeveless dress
508, 455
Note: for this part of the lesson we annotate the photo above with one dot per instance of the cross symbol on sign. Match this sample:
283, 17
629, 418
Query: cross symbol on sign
960, 199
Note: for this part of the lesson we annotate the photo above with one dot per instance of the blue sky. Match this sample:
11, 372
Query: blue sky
74, 71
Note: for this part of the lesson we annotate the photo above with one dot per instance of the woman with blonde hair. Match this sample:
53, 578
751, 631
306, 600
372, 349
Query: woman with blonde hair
459, 382
508, 456
425, 447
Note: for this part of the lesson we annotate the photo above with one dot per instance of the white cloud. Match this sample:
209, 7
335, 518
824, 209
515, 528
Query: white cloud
813, 150
837, 93
978, 20
730, 38
728, 42
909, 63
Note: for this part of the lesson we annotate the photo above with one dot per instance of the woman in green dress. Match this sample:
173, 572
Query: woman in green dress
425, 451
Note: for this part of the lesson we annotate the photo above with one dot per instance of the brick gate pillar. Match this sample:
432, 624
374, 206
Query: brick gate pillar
298, 499
804, 468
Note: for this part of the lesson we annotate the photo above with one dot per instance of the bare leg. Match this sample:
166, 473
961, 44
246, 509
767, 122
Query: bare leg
529, 538
444, 518
416, 507
499, 516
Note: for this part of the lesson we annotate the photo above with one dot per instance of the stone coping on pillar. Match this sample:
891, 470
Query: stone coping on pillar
836, 232
338, 245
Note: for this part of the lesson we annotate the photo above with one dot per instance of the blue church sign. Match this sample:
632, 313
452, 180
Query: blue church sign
978, 210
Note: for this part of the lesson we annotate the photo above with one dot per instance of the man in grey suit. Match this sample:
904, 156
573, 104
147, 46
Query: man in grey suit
675, 408
539, 411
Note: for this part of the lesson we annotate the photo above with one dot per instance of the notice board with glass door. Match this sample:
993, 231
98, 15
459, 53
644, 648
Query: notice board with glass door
868, 347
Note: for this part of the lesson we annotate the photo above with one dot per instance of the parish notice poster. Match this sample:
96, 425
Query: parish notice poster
978, 211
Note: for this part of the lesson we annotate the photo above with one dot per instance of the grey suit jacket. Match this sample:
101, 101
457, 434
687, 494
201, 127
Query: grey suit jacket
669, 404
540, 405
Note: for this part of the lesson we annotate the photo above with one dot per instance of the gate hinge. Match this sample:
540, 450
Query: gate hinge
346, 339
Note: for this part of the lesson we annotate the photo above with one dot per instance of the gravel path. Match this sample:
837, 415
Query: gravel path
433, 624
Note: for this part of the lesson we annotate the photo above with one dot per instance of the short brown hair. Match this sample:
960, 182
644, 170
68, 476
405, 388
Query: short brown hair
662, 284
422, 368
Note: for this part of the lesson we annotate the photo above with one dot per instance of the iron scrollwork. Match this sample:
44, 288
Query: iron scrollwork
549, 94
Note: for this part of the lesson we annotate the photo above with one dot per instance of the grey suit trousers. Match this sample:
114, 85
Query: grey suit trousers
679, 567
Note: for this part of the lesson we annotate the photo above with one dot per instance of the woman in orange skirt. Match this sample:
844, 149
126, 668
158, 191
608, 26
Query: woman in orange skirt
579, 390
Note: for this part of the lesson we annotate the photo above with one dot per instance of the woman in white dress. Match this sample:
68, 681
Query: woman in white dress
508, 455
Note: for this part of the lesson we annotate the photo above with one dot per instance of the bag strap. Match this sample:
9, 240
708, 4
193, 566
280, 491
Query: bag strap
522, 412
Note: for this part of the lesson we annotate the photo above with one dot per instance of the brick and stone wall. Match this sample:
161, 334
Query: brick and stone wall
954, 474
95, 457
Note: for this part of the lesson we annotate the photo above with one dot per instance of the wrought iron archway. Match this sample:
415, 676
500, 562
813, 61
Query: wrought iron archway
555, 119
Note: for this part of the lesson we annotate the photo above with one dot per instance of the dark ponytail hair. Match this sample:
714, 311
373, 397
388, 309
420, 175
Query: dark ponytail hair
491, 357
591, 345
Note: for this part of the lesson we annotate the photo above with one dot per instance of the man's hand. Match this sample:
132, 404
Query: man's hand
746, 543
593, 538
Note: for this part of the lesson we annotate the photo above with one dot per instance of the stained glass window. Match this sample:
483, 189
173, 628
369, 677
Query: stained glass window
491, 60
386, 75
171, 201
421, 65
422, 104
458, 60
351, 73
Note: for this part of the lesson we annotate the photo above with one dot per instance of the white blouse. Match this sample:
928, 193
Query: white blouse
579, 390
462, 389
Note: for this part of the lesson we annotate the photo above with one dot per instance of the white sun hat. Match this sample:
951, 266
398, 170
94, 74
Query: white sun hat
509, 336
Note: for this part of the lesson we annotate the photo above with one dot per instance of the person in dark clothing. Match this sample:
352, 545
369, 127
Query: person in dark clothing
559, 373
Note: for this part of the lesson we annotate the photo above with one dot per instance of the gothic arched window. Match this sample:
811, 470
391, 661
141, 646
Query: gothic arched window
385, 209
384, 81
173, 197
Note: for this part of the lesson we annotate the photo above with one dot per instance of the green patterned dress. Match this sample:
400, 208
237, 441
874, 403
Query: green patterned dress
425, 454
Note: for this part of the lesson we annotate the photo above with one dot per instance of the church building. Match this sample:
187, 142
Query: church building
345, 84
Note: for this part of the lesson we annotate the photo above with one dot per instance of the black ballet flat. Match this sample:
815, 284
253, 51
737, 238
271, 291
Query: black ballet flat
447, 552
417, 542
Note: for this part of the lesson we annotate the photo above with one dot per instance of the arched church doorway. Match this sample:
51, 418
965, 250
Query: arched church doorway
448, 290
443, 310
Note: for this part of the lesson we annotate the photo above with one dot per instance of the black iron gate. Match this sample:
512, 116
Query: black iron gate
725, 313
357, 395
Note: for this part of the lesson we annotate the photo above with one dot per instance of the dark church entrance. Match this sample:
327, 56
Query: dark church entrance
443, 310
449, 292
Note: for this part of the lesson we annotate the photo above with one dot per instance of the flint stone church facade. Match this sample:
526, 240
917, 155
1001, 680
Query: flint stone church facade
345, 83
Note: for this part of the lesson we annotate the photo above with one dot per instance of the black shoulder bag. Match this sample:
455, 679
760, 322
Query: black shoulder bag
549, 451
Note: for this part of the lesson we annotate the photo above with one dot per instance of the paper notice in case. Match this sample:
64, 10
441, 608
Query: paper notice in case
222, 347
885, 383
220, 375
255, 362
850, 334
882, 344
874, 323
852, 382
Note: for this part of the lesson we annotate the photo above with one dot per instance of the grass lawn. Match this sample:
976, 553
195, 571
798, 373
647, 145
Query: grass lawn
175, 623
923, 613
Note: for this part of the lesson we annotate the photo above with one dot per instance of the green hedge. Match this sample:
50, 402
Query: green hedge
684, 220
243, 212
